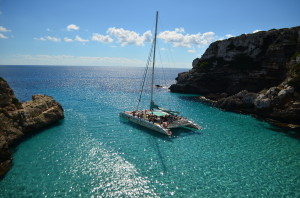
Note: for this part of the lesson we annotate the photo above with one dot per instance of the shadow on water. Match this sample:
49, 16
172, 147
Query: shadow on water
289, 132
153, 139
184, 132
192, 98
177, 133
156, 136
160, 157
35, 132
27, 136
275, 126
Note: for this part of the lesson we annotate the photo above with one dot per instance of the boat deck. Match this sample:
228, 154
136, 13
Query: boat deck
158, 120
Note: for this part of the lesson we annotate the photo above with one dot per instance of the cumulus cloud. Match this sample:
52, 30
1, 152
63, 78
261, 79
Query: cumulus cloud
54, 39
44, 59
79, 39
4, 29
101, 38
66, 39
179, 39
256, 31
48, 38
229, 35
179, 29
126, 37
40, 39
72, 27
191, 51
2, 36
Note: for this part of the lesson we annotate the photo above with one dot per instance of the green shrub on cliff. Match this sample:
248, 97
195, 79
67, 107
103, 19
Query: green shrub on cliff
16, 101
203, 64
210, 62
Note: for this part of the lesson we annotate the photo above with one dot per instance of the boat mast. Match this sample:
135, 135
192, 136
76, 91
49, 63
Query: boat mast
152, 81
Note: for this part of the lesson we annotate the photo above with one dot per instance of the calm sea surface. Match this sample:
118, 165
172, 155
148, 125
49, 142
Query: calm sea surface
93, 153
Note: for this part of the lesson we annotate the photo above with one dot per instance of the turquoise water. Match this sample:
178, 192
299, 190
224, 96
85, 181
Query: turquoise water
92, 153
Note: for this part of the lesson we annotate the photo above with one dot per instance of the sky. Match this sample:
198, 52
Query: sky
119, 32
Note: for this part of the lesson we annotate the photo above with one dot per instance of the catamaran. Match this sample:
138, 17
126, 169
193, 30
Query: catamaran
157, 118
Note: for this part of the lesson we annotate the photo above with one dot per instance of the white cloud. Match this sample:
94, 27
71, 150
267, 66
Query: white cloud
40, 39
44, 59
64, 59
79, 39
48, 30
72, 27
48, 38
54, 39
179, 29
126, 37
66, 39
229, 35
111, 61
179, 39
255, 31
4, 29
101, 38
191, 51
2, 36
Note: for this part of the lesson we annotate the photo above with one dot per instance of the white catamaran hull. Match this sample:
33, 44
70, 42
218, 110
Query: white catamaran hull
145, 123
156, 126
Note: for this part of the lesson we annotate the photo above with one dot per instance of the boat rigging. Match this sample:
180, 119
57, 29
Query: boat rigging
156, 118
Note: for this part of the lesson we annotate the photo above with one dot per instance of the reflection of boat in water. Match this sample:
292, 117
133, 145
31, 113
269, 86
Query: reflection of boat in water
157, 118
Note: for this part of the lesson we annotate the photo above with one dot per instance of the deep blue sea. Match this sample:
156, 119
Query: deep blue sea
93, 153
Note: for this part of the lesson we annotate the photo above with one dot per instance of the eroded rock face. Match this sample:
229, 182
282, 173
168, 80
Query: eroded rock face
6, 95
282, 105
19, 119
41, 111
248, 62
255, 73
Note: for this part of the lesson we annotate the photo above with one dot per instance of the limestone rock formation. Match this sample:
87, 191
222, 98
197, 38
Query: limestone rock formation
20, 119
255, 73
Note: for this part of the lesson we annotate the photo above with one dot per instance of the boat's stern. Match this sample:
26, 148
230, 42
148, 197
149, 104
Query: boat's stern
193, 125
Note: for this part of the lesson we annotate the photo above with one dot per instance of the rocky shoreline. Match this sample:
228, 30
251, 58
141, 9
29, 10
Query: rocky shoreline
19, 120
256, 74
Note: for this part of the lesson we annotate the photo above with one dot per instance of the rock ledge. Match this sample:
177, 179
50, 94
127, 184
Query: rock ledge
255, 73
18, 120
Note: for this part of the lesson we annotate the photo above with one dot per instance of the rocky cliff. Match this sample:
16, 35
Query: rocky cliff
255, 73
20, 119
